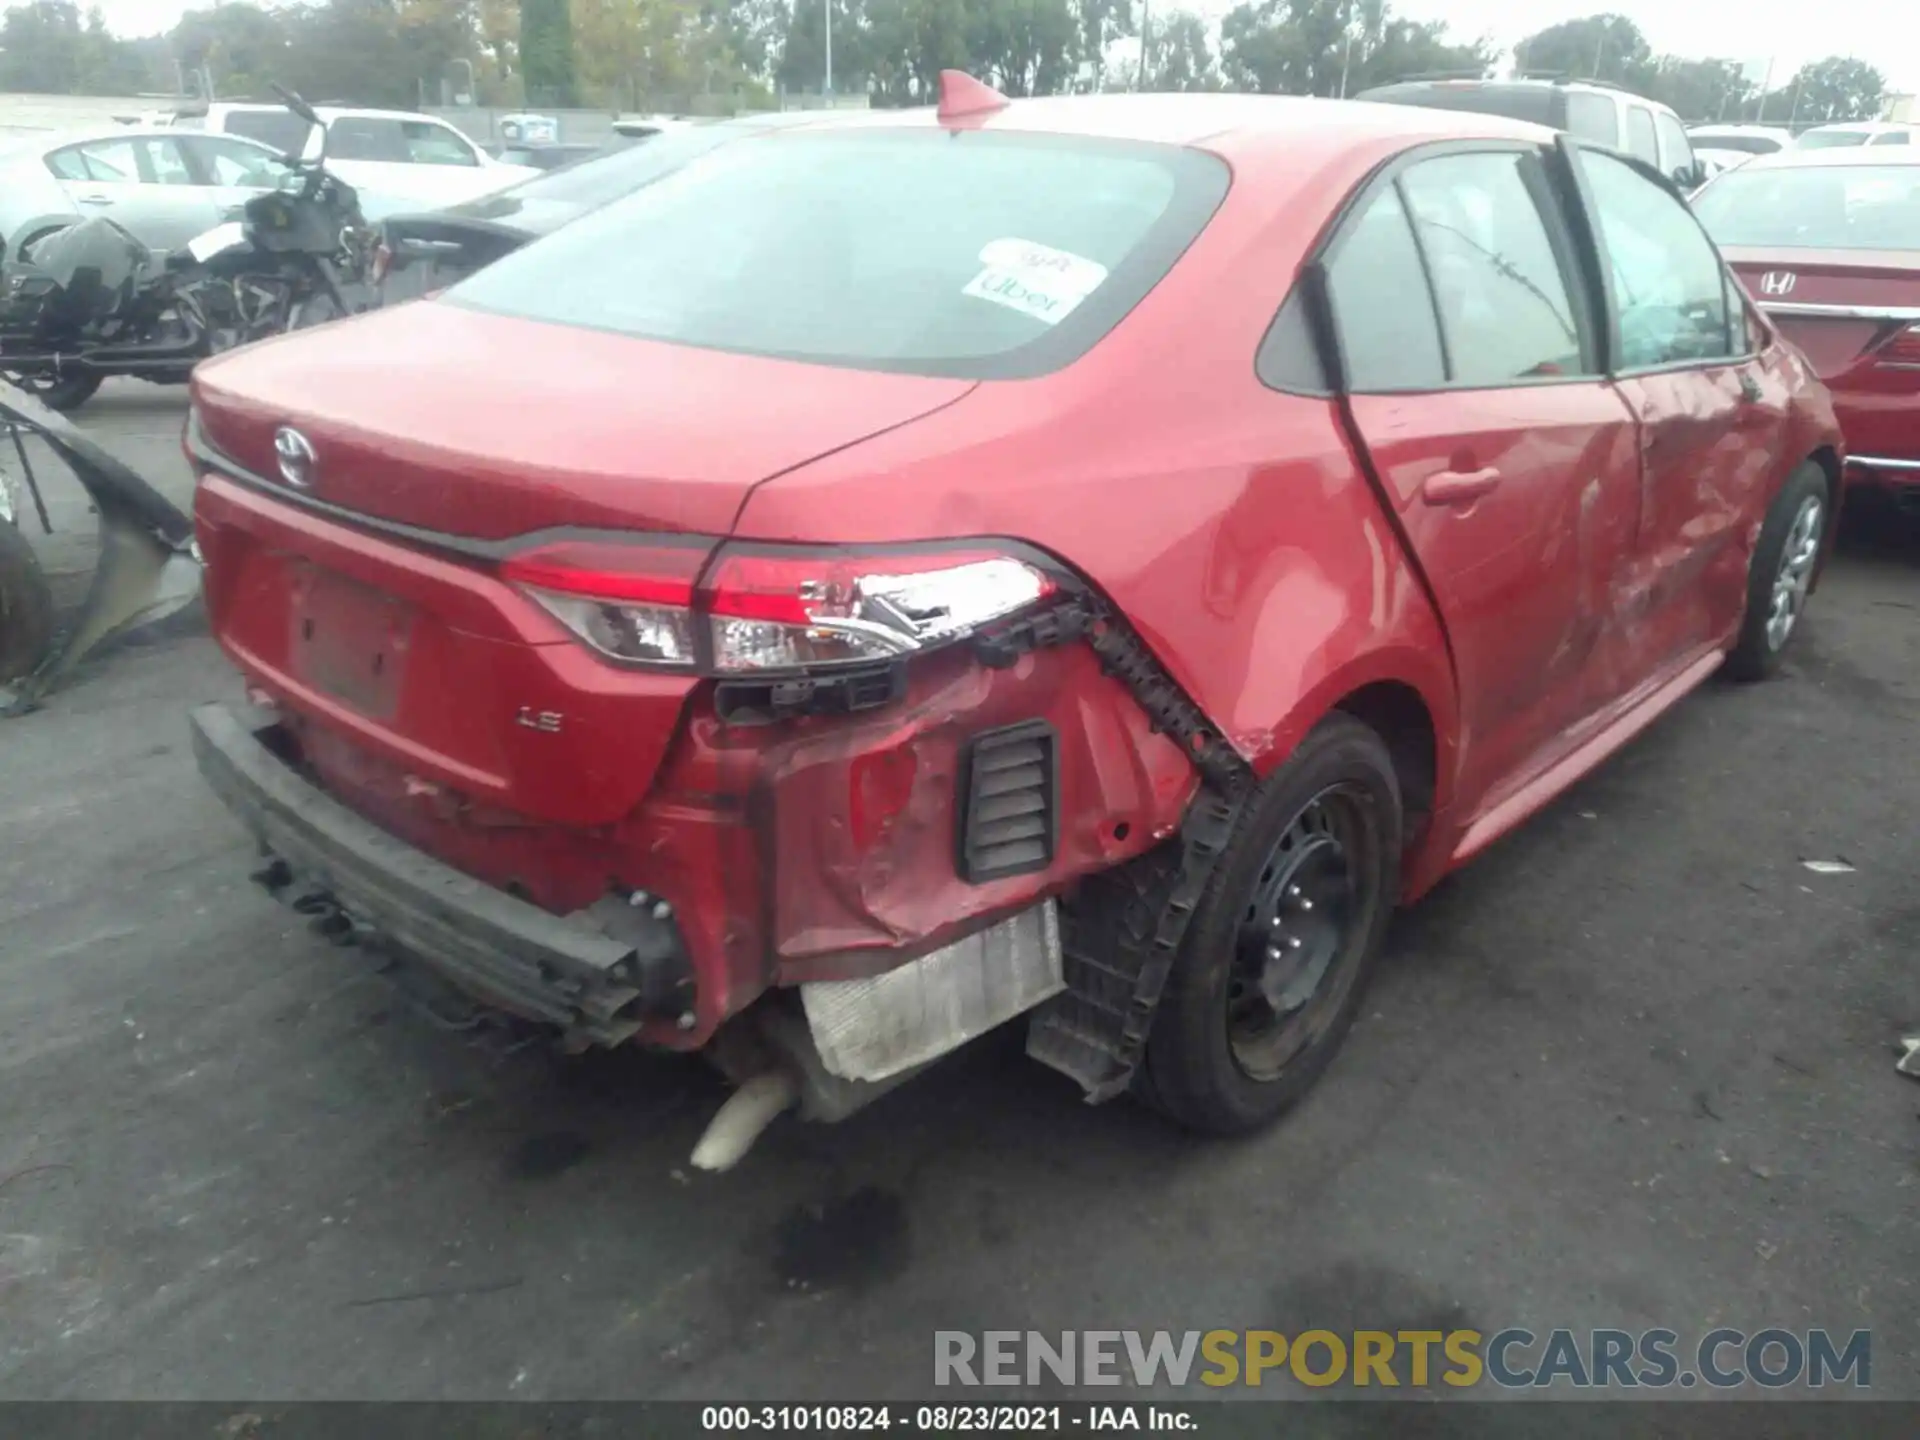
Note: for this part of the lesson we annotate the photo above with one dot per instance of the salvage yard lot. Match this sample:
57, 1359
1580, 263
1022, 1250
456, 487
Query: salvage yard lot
1632, 1068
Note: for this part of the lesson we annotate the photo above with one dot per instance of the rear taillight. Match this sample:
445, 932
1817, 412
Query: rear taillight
767, 609
629, 602
1902, 349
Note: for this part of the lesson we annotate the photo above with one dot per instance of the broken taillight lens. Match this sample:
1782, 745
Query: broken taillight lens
763, 609
772, 610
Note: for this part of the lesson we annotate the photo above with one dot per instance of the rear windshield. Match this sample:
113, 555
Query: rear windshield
1745, 144
1516, 102
1819, 207
282, 129
593, 182
968, 254
1829, 139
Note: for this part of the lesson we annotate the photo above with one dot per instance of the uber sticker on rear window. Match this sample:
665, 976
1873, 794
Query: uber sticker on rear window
1034, 279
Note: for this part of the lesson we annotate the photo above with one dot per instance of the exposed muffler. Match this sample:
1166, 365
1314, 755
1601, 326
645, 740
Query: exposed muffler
149, 567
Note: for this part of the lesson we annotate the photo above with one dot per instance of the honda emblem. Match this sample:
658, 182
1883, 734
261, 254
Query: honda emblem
1778, 282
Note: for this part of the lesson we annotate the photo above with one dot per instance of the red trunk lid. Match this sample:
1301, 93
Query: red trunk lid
434, 670
1868, 296
486, 426
1854, 313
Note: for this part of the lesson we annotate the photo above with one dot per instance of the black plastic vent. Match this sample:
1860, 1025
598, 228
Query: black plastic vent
1009, 802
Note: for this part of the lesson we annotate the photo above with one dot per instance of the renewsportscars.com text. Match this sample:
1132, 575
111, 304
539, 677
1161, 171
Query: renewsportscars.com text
1511, 1359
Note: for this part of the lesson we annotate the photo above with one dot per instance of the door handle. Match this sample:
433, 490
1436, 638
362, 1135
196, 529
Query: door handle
96, 199
1459, 487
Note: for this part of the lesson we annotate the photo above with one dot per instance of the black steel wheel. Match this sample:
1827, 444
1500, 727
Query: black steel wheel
1285, 938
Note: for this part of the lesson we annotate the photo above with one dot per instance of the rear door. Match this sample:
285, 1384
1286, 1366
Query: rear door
1476, 389
141, 181
1712, 413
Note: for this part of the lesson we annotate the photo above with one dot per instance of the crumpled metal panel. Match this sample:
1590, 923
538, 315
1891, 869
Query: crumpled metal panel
875, 1028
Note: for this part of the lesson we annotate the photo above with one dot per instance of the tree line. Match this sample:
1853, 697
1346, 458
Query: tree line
720, 55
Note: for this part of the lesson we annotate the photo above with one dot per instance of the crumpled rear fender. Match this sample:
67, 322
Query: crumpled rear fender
148, 568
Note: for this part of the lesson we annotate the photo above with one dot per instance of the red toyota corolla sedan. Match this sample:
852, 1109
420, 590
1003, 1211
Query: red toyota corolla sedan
1828, 243
1086, 558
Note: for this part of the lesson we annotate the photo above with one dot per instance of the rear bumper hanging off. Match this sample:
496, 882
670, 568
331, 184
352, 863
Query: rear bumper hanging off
597, 975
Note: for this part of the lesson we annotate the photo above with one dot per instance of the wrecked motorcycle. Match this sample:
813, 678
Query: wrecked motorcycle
149, 567
91, 301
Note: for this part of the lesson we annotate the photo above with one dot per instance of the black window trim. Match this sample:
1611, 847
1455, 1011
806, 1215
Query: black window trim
1563, 236
1602, 272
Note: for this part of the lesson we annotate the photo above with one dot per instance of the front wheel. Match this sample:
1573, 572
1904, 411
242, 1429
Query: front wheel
1285, 938
1780, 574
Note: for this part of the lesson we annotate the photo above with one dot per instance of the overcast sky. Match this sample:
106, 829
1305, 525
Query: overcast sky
1791, 32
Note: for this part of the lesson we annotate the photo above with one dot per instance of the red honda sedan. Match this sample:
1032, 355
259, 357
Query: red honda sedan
1828, 243
1083, 558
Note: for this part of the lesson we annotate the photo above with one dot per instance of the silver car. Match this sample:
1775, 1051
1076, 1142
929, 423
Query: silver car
164, 186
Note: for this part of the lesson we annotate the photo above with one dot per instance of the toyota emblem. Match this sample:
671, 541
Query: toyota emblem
295, 454
1777, 282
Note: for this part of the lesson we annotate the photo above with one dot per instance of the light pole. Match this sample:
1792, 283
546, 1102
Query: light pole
1140, 80
827, 93
1346, 56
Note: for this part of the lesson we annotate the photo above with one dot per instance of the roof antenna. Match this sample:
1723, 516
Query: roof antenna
962, 96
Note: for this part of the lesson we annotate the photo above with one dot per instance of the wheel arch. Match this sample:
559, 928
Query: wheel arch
1406, 697
1827, 457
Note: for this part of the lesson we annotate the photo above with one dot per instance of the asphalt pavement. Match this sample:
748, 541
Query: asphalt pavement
1633, 1068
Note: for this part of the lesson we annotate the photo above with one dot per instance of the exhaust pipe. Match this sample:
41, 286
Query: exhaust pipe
149, 566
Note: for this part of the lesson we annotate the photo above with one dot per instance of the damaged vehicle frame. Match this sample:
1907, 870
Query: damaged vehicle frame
821, 715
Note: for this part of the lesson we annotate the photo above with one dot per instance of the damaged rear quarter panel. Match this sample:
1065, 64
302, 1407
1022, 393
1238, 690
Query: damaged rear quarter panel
1229, 522
857, 816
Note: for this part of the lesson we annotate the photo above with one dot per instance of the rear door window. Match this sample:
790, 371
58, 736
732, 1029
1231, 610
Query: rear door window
1831, 139
430, 144
166, 162
1641, 137
1669, 285
361, 137
1506, 308
1891, 137
1594, 117
282, 129
104, 162
1383, 309
1532, 103
1676, 155
233, 163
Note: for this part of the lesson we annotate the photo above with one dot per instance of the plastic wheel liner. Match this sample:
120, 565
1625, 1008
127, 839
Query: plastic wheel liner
149, 567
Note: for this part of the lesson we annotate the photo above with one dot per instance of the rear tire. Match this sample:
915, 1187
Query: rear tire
1780, 574
1285, 938
26, 607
